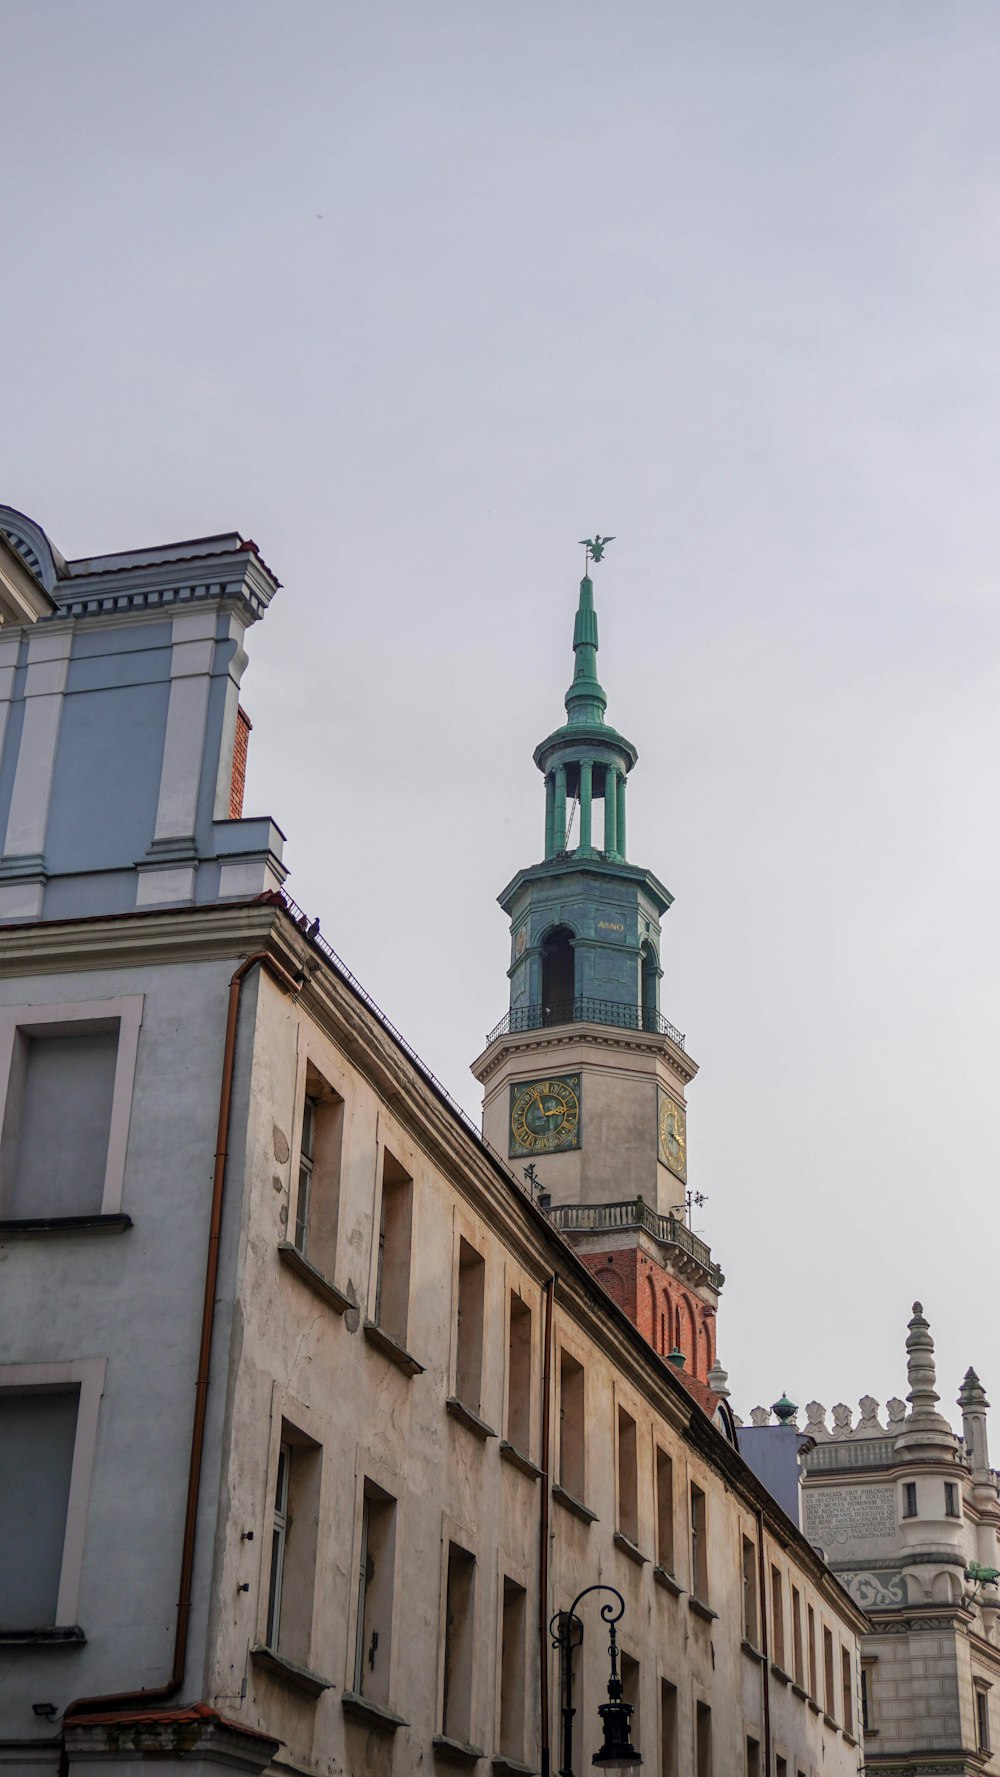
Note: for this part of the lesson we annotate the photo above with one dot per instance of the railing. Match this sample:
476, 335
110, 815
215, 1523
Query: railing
580, 1011
586, 1218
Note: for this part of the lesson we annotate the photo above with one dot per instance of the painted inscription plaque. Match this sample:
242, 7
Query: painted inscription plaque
837, 1515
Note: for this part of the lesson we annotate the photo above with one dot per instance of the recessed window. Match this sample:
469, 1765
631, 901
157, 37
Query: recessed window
375, 1589
951, 1500
699, 1545
867, 1711
909, 1499
294, 1541
317, 1203
629, 1671
811, 1650
628, 1477
471, 1311
664, 1511
777, 1618
460, 1597
512, 1678
750, 1630
392, 1278
797, 1666
828, 1692
519, 1375
37, 1440
702, 1740
983, 1718
571, 1425
847, 1690
753, 1757
669, 1753
780, 1766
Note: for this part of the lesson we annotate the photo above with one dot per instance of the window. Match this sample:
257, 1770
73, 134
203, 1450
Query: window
571, 1425
750, 1630
664, 1511
797, 1666
702, 1740
983, 1717
512, 1680
828, 1699
777, 1619
68, 1071
847, 1720
375, 1589
951, 1500
867, 1678
628, 1479
519, 1376
629, 1670
780, 1766
317, 1203
668, 1729
37, 1441
471, 1305
460, 1596
753, 1757
699, 1546
909, 1499
294, 1541
392, 1281
813, 1686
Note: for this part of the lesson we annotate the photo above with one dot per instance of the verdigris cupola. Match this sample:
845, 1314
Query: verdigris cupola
585, 1077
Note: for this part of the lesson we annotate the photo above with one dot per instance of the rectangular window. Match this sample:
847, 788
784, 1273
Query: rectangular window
294, 1543
317, 1203
753, 1757
57, 1125
780, 1766
519, 1375
847, 1690
471, 1309
512, 1681
664, 1511
702, 1740
37, 1440
951, 1500
867, 1715
392, 1283
909, 1499
571, 1425
699, 1545
813, 1686
375, 1588
750, 1631
828, 1697
797, 1666
460, 1598
668, 1729
628, 1478
983, 1719
629, 1670
777, 1619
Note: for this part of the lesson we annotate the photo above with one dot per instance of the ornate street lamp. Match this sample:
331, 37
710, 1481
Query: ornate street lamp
617, 1752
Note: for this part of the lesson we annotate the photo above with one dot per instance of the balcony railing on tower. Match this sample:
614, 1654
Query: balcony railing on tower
611, 1218
588, 1011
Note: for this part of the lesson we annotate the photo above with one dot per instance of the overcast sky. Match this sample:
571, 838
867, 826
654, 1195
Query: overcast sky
416, 294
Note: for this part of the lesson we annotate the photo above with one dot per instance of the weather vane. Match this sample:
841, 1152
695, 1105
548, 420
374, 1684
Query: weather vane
595, 546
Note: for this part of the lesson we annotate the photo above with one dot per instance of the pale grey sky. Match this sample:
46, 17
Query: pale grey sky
418, 294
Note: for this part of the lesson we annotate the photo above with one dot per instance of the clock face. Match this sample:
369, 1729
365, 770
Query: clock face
673, 1136
545, 1115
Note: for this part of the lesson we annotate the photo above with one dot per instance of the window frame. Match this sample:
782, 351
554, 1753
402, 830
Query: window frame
88, 1374
32, 1020
981, 1691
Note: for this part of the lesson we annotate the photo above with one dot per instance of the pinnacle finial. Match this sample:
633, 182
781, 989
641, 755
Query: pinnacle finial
972, 1395
586, 701
920, 1368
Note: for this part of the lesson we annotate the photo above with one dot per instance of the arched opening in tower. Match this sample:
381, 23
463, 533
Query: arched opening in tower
649, 987
558, 976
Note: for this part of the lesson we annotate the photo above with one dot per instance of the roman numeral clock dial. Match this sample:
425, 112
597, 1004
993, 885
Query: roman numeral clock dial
545, 1115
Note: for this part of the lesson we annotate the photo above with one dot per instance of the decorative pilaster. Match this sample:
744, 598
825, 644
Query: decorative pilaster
168, 873
27, 820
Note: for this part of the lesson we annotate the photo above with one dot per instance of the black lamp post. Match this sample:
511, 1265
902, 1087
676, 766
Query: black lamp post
617, 1752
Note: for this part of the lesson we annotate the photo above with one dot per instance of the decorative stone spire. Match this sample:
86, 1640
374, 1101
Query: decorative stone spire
974, 1405
586, 701
923, 1424
718, 1380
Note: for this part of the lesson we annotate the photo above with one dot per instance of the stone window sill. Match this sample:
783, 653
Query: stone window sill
629, 1548
797, 1691
705, 1611
470, 1419
375, 1714
848, 1737
830, 1722
665, 1578
36, 1227
575, 1506
391, 1348
313, 1277
301, 1677
457, 1752
72, 1636
780, 1674
514, 1766
752, 1653
814, 1706
517, 1458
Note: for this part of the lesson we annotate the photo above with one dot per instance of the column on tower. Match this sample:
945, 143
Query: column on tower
560, 810
610, 808
550, 814
622, 782
586, 792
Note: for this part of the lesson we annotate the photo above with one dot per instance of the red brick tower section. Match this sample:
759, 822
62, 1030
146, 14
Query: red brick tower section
663, 1277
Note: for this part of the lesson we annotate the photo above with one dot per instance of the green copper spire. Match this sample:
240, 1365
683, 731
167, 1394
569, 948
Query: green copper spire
586, 701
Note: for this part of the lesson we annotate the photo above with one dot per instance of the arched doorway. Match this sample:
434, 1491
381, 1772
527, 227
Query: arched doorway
558, 976
649, 987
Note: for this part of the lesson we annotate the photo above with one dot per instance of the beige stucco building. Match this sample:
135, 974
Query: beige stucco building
312, 1419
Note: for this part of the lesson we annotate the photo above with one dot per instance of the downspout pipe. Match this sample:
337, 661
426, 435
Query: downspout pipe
543, 1528
164, 1692
764, 1642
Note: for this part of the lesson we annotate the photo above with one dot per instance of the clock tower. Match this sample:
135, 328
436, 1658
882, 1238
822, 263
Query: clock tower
584, 1078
